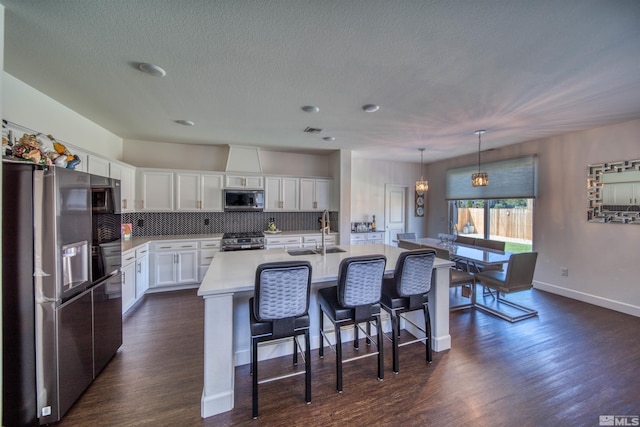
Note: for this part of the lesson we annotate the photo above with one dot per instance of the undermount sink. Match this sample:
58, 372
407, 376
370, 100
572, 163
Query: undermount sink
298, 252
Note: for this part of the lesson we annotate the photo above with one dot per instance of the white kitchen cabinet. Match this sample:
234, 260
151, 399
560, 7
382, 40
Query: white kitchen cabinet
142, 270
282, 194
156, 190
127, 176
281, 242
627, 193
211, 192
83, 166
188, 191
174, 263
367, 238
315, 240
244, 181
98, 166
207, 251
315, 194
128, 272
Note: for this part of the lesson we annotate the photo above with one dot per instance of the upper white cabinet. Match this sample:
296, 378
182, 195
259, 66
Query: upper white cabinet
127, 176
315, 194
621, 193
198, 191
282, 193
188, 191
244, 181
155, 190
98, 166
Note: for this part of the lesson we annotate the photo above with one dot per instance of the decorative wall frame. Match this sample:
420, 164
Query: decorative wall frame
597, 210
420, 199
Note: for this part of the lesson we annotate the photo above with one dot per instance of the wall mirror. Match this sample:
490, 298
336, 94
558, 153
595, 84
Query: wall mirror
613, 192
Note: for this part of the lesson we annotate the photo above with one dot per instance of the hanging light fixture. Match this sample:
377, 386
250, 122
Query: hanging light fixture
421, 185
480, 179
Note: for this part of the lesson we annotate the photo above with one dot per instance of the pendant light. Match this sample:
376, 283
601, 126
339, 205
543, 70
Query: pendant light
422, 185
480, 179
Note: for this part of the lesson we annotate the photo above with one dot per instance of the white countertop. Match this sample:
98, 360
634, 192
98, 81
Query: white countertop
138, 241
231, 272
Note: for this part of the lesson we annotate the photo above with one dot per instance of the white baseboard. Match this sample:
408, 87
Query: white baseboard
589, 298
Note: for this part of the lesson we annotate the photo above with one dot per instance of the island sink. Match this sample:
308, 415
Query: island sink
298, 252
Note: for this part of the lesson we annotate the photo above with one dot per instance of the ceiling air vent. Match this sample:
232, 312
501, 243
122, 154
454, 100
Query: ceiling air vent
312, 130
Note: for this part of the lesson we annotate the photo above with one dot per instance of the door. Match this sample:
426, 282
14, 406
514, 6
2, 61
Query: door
395, 212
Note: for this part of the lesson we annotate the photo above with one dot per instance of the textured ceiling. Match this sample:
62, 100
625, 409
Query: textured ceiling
242, 69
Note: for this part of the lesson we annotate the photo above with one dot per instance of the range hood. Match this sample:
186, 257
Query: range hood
243, 159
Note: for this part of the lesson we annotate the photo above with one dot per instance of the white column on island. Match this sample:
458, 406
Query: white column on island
219, 375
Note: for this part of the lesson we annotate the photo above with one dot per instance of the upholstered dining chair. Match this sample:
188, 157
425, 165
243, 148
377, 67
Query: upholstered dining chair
278, 310
517, 277
458, 278
408, 291
354, 301
406, 236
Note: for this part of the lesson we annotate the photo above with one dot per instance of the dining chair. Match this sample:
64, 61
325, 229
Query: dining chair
458, 277
408, 291
354, 301
490, 244
280, 310
406, 236
517, 277
465, 240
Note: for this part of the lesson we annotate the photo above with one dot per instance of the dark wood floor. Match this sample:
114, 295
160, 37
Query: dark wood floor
566, 367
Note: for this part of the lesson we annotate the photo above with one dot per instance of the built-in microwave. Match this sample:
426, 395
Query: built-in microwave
243, 200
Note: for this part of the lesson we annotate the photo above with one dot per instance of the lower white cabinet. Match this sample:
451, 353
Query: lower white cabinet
142, 270
174, 263
315, 240
207, 251
367, 238
283, 242
128, 272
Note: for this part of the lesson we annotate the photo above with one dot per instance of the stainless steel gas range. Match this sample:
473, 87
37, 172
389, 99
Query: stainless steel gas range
242, 241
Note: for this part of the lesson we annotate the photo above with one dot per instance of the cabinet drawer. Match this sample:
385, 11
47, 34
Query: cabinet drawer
358, 237
313, 238
142, 251
128, 256
206, 256
283, 240
375, 236
210, 244
174, 246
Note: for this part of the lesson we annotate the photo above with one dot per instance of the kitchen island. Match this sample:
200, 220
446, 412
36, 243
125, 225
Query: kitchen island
228, 285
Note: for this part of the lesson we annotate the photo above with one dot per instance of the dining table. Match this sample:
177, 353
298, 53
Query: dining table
475, 258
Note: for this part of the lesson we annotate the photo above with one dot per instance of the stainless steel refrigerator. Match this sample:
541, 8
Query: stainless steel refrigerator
62, 312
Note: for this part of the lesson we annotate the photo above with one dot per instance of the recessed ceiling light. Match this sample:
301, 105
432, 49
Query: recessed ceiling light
310, 109
185, 122
152, 69
370, 108
329, 138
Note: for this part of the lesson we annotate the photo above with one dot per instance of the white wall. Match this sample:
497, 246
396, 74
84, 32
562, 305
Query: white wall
30, 108
1, 103
152, 154
602, 259
368, 179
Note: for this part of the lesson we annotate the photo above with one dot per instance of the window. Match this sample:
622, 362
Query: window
507, 220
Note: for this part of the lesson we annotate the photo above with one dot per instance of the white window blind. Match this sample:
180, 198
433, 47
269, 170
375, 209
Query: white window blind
508, 179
